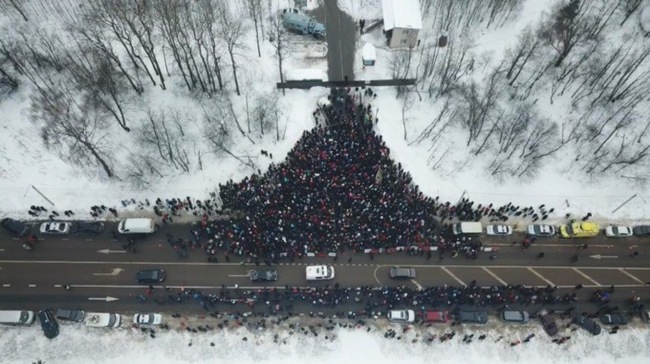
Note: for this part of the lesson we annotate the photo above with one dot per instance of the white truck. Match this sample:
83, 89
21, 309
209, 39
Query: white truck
103, 319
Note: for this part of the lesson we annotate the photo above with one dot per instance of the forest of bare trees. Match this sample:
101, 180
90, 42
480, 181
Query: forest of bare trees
96, 68
588, 57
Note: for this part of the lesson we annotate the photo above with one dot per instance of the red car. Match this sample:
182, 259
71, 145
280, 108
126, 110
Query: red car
435, 316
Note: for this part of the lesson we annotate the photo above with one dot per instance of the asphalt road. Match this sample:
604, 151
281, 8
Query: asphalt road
341, 38
34, 279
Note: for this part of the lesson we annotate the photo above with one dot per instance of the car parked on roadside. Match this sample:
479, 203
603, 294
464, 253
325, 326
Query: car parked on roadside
515, 316
642, 230
149, 276
14, 226
147, 319
88, 227
469, 316
498, 230
614, 319
402, 273
548, 323
618, 231
587, 324
404, 316
70, 315
645, 316
435, 316
55, 227
578, 229
48, 324
264, 275
541, 230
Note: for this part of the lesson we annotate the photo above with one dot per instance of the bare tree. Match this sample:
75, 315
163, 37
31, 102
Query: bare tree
279, 39
567, 28
16, 5
232, 30
255, 12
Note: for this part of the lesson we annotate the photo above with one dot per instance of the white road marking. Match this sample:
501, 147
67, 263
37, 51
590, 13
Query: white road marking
452, 275
6, 285
1, 250
107, 299
32, 285
540, 276
418, 285
495, 276
586, 276
554, 245
115, 272
622, 270
238, 275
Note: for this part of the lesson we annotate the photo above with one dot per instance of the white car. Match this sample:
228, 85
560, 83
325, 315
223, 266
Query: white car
541, 230
618, 231
401, 315
498, 230
147, 319
55, 227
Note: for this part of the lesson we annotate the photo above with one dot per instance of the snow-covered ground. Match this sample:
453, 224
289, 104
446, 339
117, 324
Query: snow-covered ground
82, 345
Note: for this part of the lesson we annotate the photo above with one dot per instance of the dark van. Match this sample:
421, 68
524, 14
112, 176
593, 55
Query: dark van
48, 324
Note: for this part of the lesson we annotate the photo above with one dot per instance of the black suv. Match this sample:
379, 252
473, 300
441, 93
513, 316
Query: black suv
151, 276
15, 226
643, 230
587, 324
70, 315
48, 324
264, 275
548, 323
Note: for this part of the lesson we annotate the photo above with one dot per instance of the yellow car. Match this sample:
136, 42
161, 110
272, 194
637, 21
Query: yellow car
579, 230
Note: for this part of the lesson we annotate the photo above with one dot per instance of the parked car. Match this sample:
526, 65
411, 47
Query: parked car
614, 319
515, 316
435, 316
88, 227
498, 230
149, 276
103, 319
587, 324
264, 275
643, 230
55, 227
48, 324
471, 316
14, 226
577, 229
70, 315
548, 323
645, 316
402, 273
147, 319
542, 230
618, 231
401, 315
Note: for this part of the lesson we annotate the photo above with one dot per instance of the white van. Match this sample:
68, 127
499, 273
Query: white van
16, 317
319, 272
137, 226
102, 319
467, 228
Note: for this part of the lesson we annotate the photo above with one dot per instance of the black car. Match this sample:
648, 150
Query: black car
614, 319
264, 275
15, 226
548, 323
151, 276
587, 324
88, 227
471, 316
70, 315
643, 230
48, 324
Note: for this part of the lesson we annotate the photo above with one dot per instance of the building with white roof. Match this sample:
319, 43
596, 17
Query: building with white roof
402, 22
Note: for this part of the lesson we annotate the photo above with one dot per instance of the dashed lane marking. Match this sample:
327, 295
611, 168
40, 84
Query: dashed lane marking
622, 270
6, 285
540, 276
586, 276
555, 245
32, 286
452, 275
495, 276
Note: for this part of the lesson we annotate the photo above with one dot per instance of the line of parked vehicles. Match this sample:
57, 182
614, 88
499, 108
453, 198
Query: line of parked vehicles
574, 229
480, 317
50, 319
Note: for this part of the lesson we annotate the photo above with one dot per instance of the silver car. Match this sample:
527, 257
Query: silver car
542, 230
515, 316
498, 230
